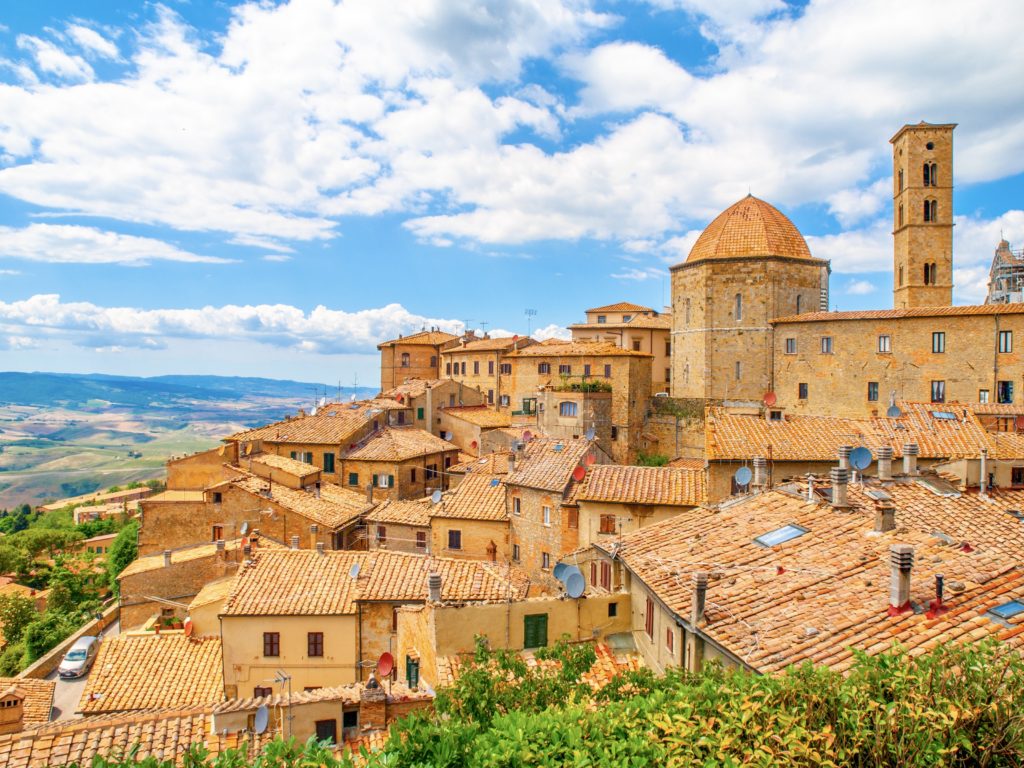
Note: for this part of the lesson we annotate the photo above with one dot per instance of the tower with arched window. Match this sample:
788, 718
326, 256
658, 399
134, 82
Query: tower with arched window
922, 157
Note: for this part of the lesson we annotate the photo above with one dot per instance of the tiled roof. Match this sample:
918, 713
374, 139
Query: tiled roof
997, 409
896, 314
490, 464
423, 338
477, 497
336, 507
213, 592
36, 697
661, 321
415, 513
686, 462
305, 582
481, 416
500, 344
740, 437
343, 694
622, 306
750, 227
1009, 445
185, 554
643, 485
291, 466
333, 424
818, 595
549, 464
399, 444
559, 348
153, 671
411, 388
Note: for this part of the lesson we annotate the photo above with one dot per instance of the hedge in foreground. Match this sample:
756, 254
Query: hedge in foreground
952, 707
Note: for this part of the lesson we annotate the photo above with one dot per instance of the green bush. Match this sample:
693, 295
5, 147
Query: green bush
124, 549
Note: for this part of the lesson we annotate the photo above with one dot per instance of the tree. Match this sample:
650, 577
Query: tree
124, 549
16, 613
44, 633
35, 541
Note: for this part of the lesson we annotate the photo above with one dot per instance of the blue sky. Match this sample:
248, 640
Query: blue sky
271, 188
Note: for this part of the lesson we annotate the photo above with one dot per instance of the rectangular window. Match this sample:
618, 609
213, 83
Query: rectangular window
613, 610
602, 318
572, 518
873, 391
546, 515
982, 395
419, 413
506, 368
260, 691
490, 397
938, 342
1017, 476
668, 374
607, 371
606, 575
218, 497
476, 367
421, 539
668, 349
649, 619
615, 432
401, 418
626, 318
1006, 341
790, 346
327, 730
670, 640
517, 505
412, 475
329, 462
515, 552
545, 561
314, 643
826, 345
382, 535
564, 370
271, 643
218, 533
586, 369
801, 390
593, 573
504, 400
567, 409
938, 391
490, 367
448, 369
353, 478
350, 719
535, 630
544, 368
1005, 391
607, 524
451, 401
738, 370
885, 344
636, 345
454, 539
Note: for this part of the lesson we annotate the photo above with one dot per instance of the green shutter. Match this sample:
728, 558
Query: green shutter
419, 414
412, 672
295, 454
328, 462
535, 630
353, 478
391, 481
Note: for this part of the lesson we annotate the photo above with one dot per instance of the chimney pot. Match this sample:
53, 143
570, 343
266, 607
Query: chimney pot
369, 492
700, 593
167, 557
844, 456
840, 478
901, 560
760, 479
247, 551
910, 452
434, 587
295, 542
319, 547
884, 457
983, 474
220, 545
885, 516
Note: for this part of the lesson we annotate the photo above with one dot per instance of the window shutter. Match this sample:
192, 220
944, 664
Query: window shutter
391, 481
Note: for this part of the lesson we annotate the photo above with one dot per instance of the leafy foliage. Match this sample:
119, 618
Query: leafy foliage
124, 549
16, 613
651, 459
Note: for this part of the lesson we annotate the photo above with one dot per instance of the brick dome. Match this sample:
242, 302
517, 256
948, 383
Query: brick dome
750, 227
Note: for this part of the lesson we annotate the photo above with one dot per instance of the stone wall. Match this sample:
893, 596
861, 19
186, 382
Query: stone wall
479, 539
201, 470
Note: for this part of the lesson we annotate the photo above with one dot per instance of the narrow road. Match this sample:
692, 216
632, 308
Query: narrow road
68, 692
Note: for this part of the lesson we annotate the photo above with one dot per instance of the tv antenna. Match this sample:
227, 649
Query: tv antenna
483, 326
530, 314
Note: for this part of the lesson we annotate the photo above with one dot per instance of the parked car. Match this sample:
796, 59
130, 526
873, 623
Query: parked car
79, 658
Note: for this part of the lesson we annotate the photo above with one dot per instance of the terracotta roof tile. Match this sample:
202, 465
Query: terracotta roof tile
499, 344
622, 306
489, 464
411, 388
477, 497
750, 227
1009, 445
414, 513
685, 462
423, 338
291, 466
481, 416
335, 508
643, 485
399, 444
36, 697
213, 592
548, 464
185, 554
333, 424
152, 671
559, 348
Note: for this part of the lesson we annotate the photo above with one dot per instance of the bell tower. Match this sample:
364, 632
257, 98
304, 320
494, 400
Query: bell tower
922, 178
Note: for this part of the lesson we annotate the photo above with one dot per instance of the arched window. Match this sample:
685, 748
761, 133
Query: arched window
567, 408
931, 210
405, 359
933, 270
935, 210
798, 298
900, 175
927, 273
934, 174
927, 175
739, 307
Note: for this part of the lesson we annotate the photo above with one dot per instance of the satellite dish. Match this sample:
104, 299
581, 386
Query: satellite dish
527, 436
568, 572
591, 459
400, 397
352, 397
578, 474
590, 433
435, 497
743, 476
575, 585
894, 412
560, 569
353, 572
474, 444
770, 399
262, 719
189, 627
245, 528
860, 458
385, 664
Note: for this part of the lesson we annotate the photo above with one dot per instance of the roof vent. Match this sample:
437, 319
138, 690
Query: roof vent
901, 560
434, 587
910, 452
884, 456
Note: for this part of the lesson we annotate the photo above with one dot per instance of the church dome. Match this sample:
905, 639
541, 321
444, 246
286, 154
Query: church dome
750, 227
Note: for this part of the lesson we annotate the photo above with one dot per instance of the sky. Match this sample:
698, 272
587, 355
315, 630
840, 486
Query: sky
272, 188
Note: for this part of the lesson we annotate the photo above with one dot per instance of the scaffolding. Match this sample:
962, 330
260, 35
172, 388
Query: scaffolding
1006, 278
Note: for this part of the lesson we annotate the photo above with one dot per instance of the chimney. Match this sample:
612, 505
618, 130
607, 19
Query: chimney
840, 477
316, 489
700, 593
844, 457
295, 542
935, 607
810, 489
512, 462
167, 557
901, 558
885, 516
319, 547
247, 551
221, 552
884, 456
314, 529
983, 480
910, 458
369, 492
760, 472
434, 587
373, 705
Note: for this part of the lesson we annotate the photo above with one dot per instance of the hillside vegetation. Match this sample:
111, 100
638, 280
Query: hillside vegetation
952, 707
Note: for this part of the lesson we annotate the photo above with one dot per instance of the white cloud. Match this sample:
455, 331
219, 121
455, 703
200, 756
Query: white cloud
860, 287
857, 250
552, 331
68, 244
276, 257
852, 205
93, 42
9, 272
53, 60
640, 274
321, 330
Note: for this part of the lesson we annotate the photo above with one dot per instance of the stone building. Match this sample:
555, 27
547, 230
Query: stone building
417, 356
1006, 275
428, 399
400, 463
481, 365
635, 327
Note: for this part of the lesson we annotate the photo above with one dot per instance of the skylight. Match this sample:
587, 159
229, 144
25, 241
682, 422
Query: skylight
944, 415
1008, 610
780, 535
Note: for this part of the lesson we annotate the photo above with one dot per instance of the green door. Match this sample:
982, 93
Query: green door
535, 630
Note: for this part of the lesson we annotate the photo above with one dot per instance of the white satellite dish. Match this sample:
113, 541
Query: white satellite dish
590, 433
262, 719
353, 572
575, 585
743, 476
352, 397
435, 497
245, 528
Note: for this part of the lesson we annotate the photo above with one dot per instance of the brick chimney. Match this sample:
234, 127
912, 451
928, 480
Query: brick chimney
760, 479
373, 706
884, 456
910, 452
844, 456
167, 557
434, 587
840, 478
885, 516
369, 492
319, 547
512, 462
901, 560
314, 529
700, 593
221, 551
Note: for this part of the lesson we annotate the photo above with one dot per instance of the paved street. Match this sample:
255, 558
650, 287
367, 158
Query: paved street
68, 692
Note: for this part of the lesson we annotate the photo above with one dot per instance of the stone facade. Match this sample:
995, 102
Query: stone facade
413, 478
542, 538
479, 539
201, 470
417, 356
477, 364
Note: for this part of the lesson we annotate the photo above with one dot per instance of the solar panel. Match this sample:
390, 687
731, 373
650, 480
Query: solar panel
944, 415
